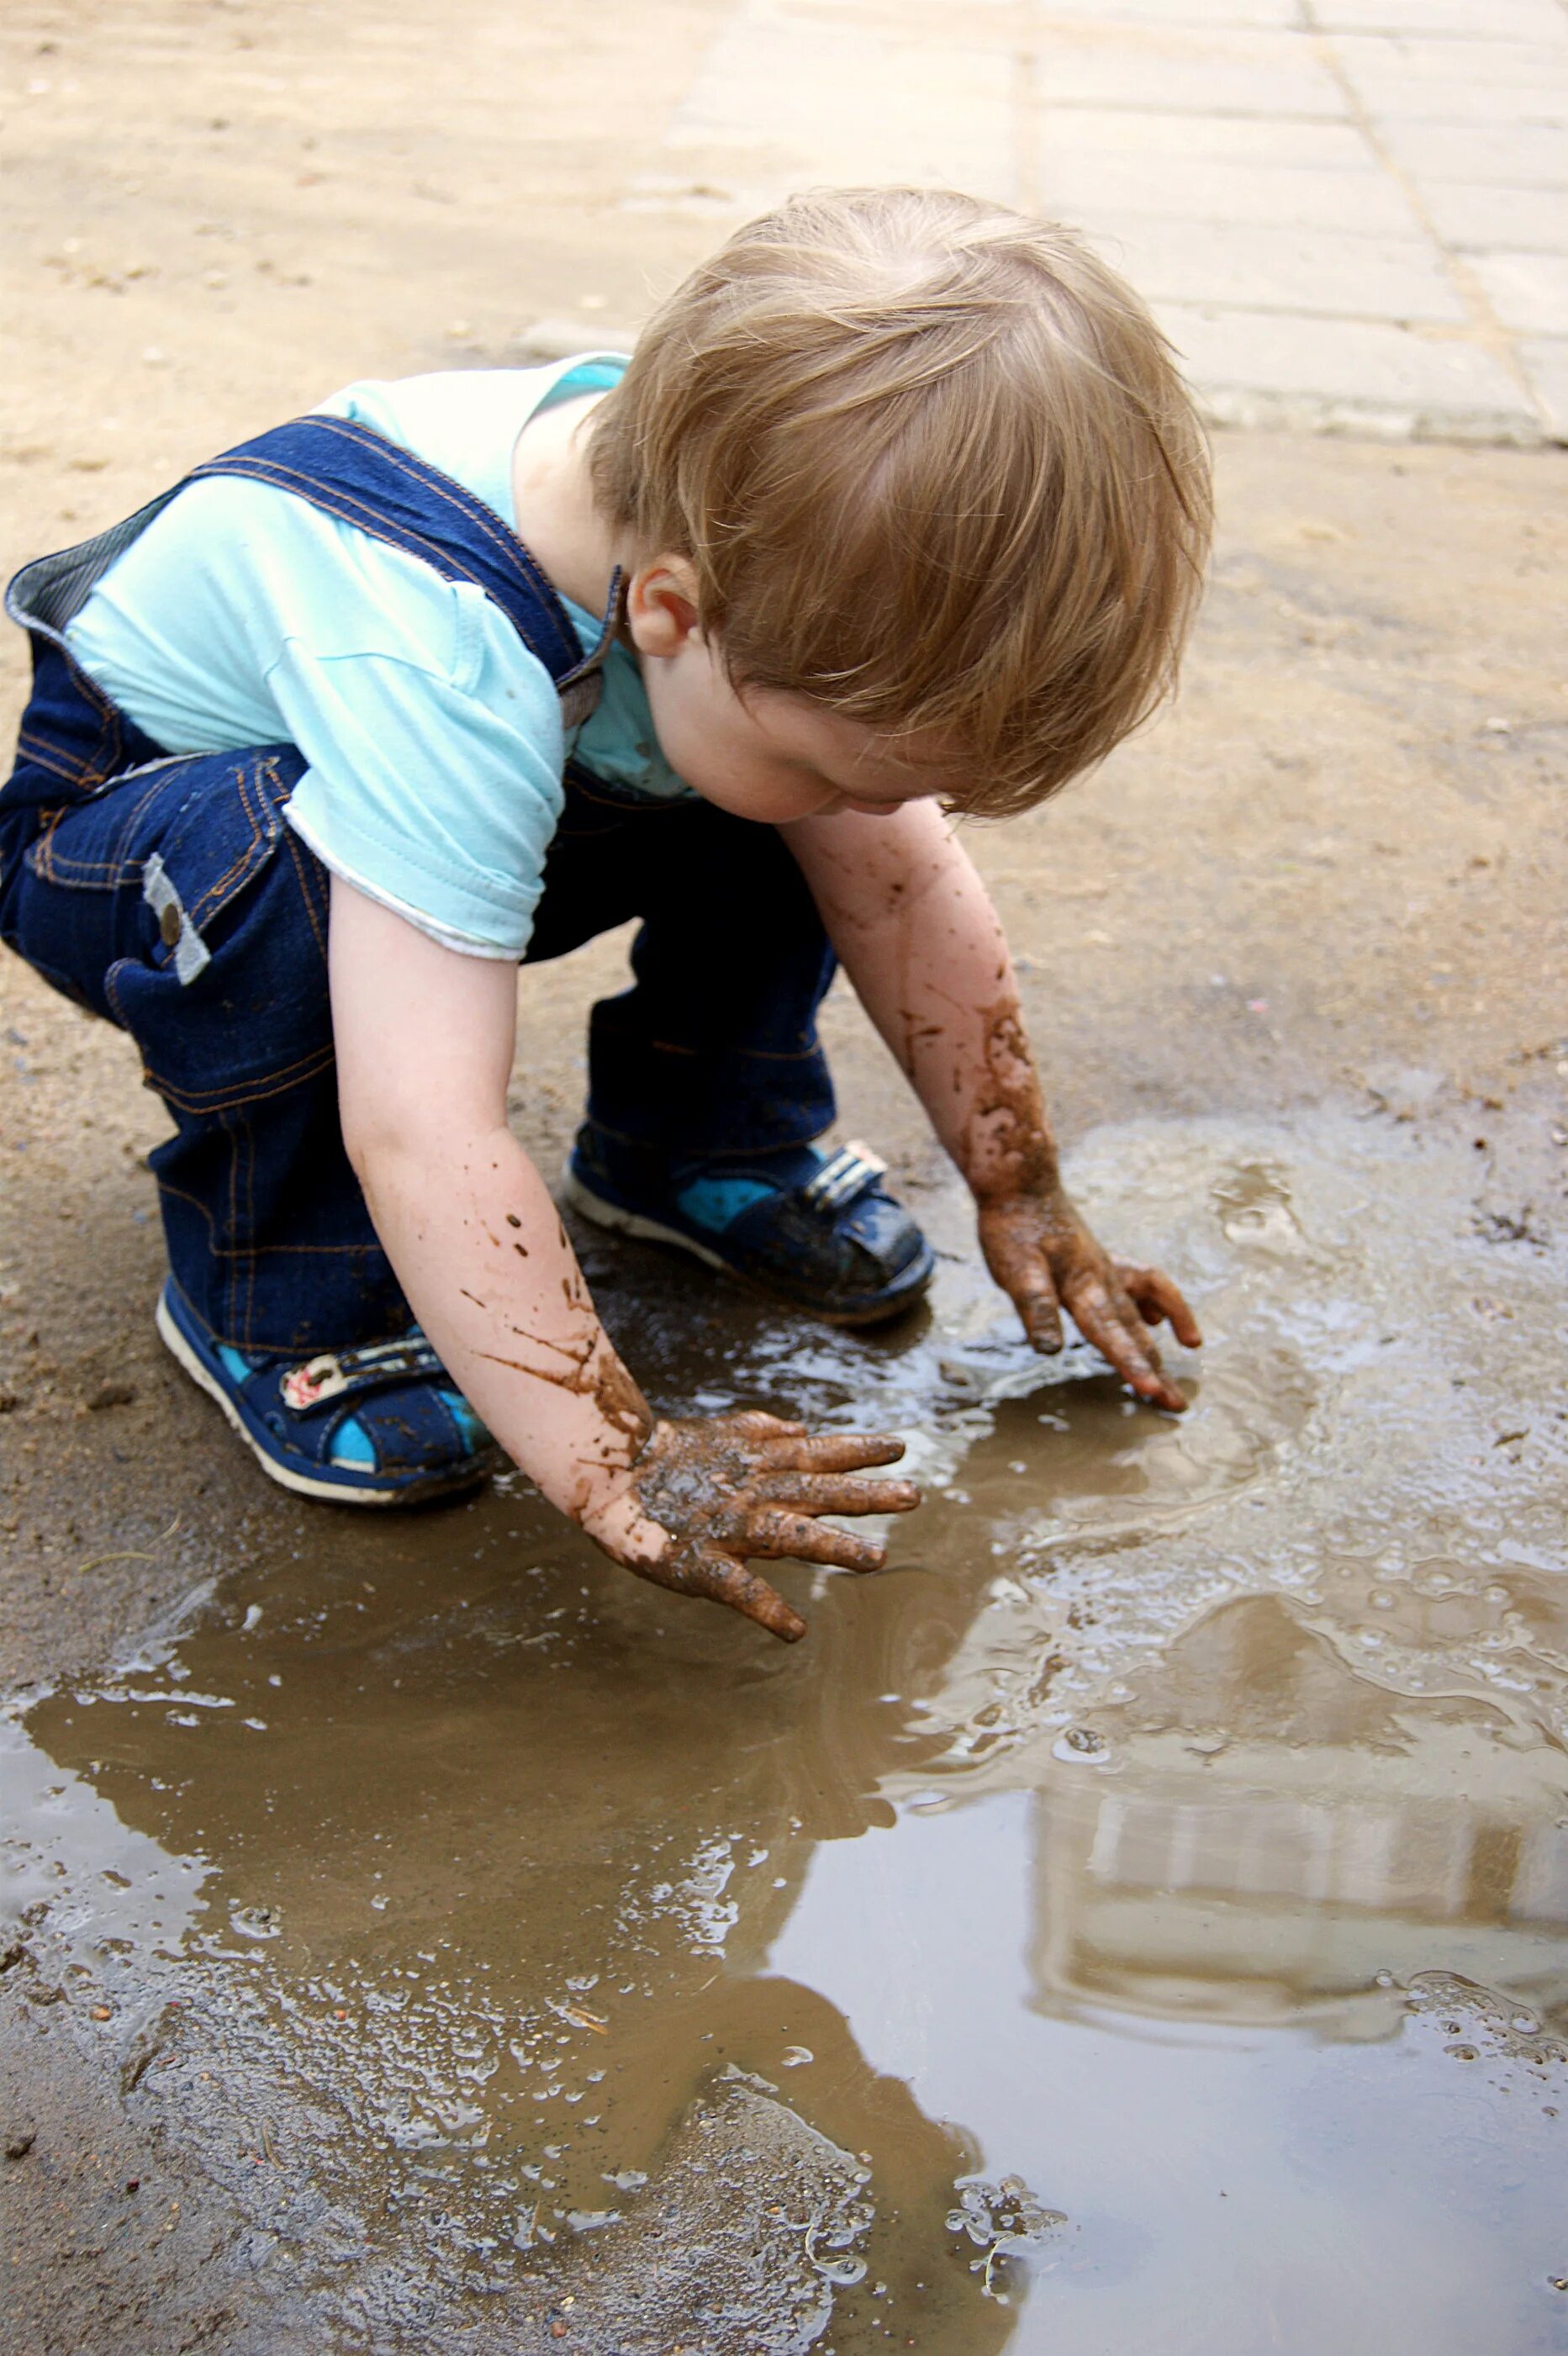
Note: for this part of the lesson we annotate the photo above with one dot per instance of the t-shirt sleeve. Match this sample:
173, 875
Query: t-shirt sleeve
432, 735
433, 786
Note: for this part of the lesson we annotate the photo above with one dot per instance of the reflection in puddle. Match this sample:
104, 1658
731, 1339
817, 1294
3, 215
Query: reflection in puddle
1224, 2188
1137, 1920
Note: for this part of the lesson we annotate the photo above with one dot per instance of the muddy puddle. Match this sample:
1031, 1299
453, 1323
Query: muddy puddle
1139, 1919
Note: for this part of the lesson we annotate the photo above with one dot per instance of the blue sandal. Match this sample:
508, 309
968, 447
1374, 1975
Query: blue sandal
818, 1231
379, 1425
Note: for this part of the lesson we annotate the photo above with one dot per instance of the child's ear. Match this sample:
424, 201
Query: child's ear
661, 605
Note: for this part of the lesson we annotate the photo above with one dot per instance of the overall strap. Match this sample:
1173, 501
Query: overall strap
352, 473
363, 479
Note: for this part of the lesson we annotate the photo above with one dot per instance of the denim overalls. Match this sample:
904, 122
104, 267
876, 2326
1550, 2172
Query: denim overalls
170, 896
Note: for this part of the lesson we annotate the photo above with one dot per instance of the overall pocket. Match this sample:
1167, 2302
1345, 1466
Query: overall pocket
210, 819
223, 985
70, 896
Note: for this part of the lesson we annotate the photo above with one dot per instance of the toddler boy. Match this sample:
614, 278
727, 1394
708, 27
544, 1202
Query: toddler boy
898, 509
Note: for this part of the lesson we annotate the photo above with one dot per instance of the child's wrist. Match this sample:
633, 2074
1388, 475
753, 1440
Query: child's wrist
614, 1516
1033, 1170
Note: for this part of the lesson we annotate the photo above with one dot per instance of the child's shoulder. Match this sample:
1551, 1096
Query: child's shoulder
467, 421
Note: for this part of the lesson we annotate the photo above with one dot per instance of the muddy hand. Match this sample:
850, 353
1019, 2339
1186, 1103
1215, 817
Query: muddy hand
712, 1495
1044, 1257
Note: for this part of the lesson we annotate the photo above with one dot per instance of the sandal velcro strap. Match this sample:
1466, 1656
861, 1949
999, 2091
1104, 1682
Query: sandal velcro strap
340, 1374
853, 1170
821, 1235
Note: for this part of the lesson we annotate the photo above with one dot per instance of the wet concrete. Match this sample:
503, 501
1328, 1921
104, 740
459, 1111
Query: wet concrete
1136, 1918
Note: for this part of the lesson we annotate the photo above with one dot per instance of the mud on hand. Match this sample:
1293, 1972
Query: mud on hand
1043, 1256
716, 1493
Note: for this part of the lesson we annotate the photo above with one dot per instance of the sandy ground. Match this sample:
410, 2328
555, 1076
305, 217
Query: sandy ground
1334, 875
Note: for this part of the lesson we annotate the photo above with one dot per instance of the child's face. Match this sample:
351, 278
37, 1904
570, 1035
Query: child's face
767, 755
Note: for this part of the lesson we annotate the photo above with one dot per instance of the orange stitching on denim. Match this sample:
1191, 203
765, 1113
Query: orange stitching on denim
270, 1084
212, 898
56, 869
109, 753
112, 992
64, 870
350, 509
505, 540
237, 870
430, 479
265, 1251
40, 755
493, 529
37, 851
321, 1251
346, 508
167, 1187
293, 847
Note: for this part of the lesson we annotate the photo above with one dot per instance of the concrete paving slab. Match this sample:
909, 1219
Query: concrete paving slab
1210, 72
1470, 217
1210, 262
1211, 138
1394, 98
1315, 185
1478, 20
807, 101
1545, 361
1525, 156
1283, 14
929, 24
1083, 184
1261, 367
1528, 292
1435, 58
1437, 79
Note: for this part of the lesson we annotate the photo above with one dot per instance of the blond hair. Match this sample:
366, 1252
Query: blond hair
934, 468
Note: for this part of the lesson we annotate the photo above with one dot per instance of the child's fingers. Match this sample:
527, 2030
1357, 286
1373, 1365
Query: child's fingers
755, 1423
1121, 1338
1026, 1279
834, 1492
1036, 1303
1019, 1266
832, 1452
773, 1531
712, 1572
1127, 1314
1158, 1297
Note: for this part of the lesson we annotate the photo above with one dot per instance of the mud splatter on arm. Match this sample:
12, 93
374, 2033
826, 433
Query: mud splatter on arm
488, 1268
917, 935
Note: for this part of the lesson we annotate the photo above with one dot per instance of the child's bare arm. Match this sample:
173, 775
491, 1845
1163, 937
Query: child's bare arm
919, 940
424, 1042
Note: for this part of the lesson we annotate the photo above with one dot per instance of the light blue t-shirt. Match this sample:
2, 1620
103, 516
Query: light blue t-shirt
242, 617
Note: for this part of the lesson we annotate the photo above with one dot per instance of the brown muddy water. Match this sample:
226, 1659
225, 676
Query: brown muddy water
1135, 1921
